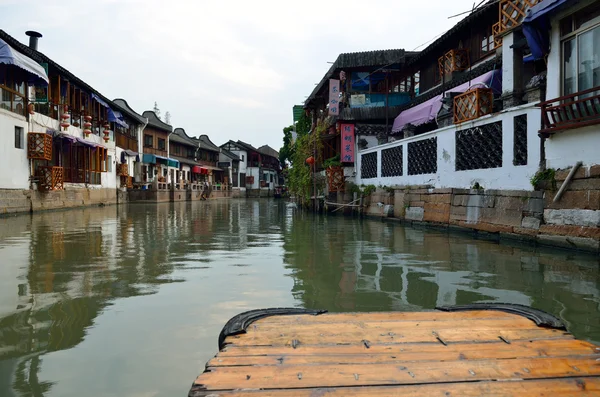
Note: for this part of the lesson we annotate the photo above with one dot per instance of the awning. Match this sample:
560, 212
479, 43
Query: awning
73, 139
129, 153
116, 117
153, 159
536, 26
196, 169
428, 110
10, 56
208, 167
173, 163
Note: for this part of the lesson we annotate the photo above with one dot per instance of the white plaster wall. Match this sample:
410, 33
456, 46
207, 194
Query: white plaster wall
566, 148
243, 167
13, 161
508, 56
187, 170
255, 172
371, 141
506, 177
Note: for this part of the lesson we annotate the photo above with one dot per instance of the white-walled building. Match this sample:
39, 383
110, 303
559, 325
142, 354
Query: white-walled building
567, 35
62, 130
241, 152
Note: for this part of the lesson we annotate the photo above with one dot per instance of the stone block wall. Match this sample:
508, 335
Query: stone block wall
14, 201
71, 198
571, 222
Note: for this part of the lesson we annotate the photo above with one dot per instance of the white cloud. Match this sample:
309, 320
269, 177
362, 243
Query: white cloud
205, 61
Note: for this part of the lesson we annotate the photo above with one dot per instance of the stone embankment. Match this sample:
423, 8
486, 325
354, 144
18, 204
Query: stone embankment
571, 222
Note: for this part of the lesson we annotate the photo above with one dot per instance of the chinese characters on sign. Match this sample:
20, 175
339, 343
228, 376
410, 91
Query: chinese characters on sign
347, 143
334, 97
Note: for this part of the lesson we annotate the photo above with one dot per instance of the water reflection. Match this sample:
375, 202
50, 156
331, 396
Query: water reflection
93, 300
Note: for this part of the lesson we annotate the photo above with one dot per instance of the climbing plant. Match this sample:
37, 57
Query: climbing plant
300, 175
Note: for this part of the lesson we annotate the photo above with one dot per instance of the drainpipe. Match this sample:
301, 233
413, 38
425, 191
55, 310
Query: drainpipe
141, 146
563, 187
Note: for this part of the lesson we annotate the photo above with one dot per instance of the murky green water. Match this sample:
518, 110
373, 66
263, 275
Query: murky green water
130, 301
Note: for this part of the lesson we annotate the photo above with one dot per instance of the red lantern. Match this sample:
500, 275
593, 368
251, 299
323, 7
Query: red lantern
65, 117
106, 131
87, 125
310, 160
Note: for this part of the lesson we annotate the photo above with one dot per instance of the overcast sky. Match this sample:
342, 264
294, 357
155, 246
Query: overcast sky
228, 69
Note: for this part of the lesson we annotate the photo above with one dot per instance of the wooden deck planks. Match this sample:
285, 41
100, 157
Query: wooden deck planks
421, 335
352, 375
359, 354
530, 388
379, 354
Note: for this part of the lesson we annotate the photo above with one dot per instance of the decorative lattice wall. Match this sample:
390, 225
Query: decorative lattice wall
422, 157
479, 147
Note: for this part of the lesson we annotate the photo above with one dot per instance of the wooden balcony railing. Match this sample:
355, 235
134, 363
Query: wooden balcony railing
453, 61
512, 12
39, 146
473, 104
571, 111
50, 178
80, 175
123, 169
496, 30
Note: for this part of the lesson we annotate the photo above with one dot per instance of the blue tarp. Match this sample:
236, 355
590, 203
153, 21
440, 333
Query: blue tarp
100, 100
116, 117
9, 56
536, 26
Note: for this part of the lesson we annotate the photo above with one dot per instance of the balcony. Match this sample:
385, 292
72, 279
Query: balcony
39, 146
473, 104
455, 60
512, 13
50, 178
577, 110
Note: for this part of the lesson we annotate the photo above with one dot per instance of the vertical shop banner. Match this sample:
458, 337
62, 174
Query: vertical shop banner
334, 97
347, 143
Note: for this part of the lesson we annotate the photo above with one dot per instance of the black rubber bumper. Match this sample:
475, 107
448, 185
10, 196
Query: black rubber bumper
238, 324
541, 318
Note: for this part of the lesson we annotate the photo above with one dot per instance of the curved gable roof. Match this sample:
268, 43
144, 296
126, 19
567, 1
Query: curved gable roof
155, 122
124, 107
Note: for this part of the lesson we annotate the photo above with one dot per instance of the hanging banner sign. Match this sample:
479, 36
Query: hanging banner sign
347, 143
334, 97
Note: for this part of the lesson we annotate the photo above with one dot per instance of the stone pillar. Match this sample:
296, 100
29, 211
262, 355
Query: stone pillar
512, 69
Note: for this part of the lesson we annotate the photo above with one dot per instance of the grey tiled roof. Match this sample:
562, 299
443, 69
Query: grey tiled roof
155, 122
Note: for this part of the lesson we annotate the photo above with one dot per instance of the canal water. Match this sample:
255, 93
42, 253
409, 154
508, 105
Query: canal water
129, 301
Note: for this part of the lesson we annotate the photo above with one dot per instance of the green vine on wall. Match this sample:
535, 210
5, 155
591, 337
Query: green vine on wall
300, 175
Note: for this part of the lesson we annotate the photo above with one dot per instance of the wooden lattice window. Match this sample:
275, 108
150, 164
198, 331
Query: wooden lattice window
453, 61
512, 12
473, 104
122, 169
335, 179
50, 178
39, 146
